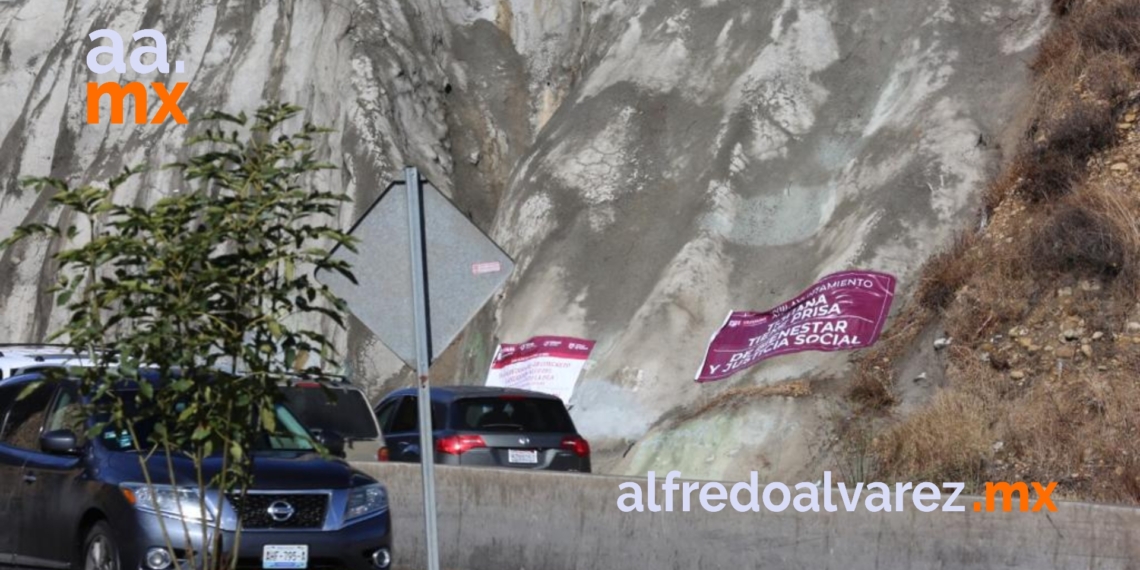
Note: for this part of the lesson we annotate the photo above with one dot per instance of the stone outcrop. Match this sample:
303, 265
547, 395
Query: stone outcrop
650, 164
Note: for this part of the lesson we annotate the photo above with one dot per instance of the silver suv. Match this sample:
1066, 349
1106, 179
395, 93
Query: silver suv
341, 411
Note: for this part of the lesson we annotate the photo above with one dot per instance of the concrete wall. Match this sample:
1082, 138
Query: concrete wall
510, 520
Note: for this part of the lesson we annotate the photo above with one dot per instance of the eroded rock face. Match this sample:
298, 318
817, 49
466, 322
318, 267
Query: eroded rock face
649, 164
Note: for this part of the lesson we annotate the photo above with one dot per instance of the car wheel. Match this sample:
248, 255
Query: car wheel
99, 549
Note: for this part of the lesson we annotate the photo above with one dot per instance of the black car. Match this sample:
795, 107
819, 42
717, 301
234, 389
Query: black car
480, 426
70, 503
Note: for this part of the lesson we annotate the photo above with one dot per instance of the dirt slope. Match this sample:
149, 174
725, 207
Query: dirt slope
1038, 381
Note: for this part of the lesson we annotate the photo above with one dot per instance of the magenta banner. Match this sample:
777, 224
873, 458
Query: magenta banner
842, 311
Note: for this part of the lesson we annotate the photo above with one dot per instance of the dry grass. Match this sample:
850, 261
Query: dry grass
1110, 27
1004, 186
950, 440
998, 297
1075, 428
1084, 129
734, 398
1058, 163
945, 273
1085, 70
1089, 30
1023, 401
1109, 77
1062, 7
1090, 233
1052, 175
871, 381
1067, 419
857, 461
871, 389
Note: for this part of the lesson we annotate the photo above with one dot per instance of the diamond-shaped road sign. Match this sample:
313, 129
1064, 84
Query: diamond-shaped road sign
423, 270
464, 269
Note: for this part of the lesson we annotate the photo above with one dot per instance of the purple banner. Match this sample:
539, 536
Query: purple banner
842, 311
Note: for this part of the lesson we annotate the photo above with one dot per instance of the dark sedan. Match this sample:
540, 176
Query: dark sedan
70, 503
480, 426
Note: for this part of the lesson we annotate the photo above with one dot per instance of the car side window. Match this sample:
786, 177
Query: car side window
25, 418
68, 413
438, 417
384, 415
407, 417
8, 395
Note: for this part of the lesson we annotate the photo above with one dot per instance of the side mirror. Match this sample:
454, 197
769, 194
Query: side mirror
332, 441
409, 452
60, 442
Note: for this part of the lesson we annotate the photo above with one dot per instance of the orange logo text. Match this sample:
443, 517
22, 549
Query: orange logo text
144, 59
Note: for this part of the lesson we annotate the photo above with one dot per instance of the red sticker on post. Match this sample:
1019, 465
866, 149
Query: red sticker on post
487, 267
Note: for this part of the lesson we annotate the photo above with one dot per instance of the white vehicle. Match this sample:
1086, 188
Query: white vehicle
17, 359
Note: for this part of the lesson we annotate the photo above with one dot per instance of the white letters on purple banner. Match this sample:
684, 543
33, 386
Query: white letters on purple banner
842, 311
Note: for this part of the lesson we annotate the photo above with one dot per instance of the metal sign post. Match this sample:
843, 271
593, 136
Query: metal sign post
423, 271
423, 358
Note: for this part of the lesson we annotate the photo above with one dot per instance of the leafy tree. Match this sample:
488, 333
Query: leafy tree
210, 290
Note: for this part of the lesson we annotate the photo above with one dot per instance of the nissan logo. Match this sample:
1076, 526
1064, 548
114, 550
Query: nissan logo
280, 511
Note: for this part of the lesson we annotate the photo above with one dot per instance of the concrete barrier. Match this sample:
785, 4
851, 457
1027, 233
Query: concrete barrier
516, 520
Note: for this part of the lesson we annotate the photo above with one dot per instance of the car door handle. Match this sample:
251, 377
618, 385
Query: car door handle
29, 478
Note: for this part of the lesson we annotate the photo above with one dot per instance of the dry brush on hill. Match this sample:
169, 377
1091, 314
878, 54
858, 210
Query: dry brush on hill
1040, 303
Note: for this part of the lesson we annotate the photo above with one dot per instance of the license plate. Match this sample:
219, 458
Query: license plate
294, 557
522, 456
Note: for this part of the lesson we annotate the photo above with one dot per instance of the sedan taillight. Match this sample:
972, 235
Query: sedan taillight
382, 454
458, 444
579, 446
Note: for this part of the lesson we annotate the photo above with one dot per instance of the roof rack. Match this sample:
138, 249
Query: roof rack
337, 378
35, 344
30, 346
42, 345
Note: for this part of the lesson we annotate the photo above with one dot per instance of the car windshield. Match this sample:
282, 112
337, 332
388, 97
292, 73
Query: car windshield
291, 434
345, 412
510, 414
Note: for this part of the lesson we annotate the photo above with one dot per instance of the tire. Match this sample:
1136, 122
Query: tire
100, 551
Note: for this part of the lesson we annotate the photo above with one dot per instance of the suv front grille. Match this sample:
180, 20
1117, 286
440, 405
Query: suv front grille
255, 510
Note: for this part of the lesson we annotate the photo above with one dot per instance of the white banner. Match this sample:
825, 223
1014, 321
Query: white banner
547, 364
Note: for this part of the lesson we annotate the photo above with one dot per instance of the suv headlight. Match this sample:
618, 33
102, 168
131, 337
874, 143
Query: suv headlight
366, 500
185, 502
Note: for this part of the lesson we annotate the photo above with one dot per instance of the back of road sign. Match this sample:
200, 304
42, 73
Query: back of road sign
464, 269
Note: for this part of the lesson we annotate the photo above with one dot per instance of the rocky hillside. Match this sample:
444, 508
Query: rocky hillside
1017, 359
650, 164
